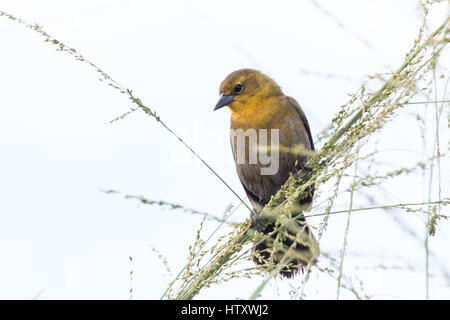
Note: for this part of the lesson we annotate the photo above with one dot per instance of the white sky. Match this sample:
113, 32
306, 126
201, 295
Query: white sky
59, 233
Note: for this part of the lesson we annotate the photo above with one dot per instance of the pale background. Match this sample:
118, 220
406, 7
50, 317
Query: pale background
61, 237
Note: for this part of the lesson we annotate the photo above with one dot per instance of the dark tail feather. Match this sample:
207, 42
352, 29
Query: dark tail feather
294, 242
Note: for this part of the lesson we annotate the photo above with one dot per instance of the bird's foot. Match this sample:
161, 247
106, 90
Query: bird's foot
306, 170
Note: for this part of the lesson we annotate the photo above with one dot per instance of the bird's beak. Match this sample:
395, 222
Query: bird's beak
224, 100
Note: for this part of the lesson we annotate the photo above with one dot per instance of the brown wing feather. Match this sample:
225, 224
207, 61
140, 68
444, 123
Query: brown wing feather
299, 109
294, 129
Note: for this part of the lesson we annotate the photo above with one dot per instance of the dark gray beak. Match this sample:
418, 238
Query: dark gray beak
224, 101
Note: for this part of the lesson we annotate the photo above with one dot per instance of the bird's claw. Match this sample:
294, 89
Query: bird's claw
306, 170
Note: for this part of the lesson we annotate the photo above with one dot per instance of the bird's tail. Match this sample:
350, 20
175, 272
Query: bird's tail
290, 242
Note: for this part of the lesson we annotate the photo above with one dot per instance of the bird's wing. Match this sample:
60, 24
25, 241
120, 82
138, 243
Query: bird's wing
304, 120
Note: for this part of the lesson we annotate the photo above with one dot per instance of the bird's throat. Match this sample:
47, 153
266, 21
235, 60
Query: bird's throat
254, 114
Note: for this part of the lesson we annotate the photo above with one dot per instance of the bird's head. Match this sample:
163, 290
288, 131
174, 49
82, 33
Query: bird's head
246, 89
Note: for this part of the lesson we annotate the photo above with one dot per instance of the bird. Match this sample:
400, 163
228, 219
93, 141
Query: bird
259, 111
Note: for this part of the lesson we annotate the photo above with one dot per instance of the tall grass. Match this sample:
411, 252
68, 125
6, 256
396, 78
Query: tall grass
222, 257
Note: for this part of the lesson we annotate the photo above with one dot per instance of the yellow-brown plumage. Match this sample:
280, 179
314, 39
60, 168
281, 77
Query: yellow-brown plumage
257, 102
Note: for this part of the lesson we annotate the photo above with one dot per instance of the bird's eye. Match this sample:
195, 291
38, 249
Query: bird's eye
238, 88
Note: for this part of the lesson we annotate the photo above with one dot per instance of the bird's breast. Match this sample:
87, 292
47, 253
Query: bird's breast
261, 143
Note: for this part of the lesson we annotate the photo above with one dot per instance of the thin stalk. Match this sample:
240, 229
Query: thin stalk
347, 228
445, 201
